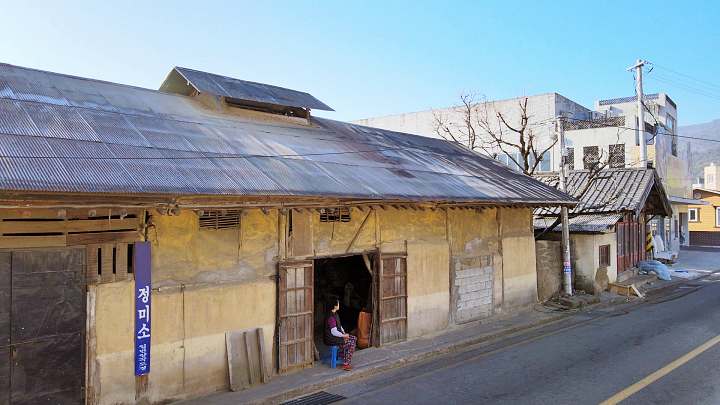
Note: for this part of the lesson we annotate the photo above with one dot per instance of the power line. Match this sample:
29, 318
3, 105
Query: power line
699, 81
686, 87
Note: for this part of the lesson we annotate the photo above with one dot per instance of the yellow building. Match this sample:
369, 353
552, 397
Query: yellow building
705, 219
160, 245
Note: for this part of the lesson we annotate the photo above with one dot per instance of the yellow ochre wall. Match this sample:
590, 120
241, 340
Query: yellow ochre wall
706, 213
209, 282
518, 256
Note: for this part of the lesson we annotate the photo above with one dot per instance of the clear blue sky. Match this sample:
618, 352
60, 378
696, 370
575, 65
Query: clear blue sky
377, 58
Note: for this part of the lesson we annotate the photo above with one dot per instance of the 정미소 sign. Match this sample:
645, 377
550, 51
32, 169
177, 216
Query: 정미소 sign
143, 289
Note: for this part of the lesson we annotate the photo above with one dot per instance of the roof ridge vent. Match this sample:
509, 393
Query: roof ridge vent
242, 93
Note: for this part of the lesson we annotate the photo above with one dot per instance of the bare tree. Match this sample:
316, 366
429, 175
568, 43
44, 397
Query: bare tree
596, 171
479, 126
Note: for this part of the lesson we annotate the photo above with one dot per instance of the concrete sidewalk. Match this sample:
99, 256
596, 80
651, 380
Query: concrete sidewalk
375, 360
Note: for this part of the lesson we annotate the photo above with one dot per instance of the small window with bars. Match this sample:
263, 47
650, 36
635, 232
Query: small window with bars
591, 156
604, 255
341, 214
616, 156
219, 219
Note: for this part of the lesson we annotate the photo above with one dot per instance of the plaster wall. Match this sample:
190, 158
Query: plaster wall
428, 278
518, 252
208, 282
586, 261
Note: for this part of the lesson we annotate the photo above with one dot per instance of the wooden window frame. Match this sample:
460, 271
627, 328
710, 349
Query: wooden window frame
604, 256
696, 211
717, 217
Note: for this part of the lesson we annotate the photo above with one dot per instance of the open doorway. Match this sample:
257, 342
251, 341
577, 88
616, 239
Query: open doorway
348, 280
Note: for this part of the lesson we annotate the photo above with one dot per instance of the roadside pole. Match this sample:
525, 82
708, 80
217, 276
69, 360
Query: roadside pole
567, 267
640, 110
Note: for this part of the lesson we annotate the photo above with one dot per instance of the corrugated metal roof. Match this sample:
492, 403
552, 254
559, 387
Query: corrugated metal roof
611, 191
219, 85
147, 141
593, 223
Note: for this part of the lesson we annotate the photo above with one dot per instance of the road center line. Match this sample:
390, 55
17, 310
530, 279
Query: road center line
622, 395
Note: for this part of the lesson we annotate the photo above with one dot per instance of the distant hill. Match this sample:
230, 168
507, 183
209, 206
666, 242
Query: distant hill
703, 153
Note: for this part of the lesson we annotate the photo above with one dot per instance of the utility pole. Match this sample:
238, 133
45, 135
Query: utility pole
640, 109
567, 267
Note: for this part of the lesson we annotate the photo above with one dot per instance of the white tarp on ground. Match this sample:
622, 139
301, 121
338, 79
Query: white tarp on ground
689, 274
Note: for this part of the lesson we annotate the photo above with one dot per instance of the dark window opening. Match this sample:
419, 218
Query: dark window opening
114, 256
290, 222
99, 261
130, 261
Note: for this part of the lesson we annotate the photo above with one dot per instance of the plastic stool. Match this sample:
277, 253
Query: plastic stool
334, 352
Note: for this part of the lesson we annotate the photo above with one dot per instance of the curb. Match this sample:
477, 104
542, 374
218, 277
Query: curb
389, 365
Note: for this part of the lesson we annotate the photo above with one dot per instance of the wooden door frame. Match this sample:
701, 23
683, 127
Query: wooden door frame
283, 265
380, 275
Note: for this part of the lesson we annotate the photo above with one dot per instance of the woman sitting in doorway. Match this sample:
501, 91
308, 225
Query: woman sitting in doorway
335, 334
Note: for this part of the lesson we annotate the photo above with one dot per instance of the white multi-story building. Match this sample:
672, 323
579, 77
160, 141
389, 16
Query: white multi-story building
612, 135
607, 133
541, 110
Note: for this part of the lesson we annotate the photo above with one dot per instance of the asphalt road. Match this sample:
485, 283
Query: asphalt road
587, 359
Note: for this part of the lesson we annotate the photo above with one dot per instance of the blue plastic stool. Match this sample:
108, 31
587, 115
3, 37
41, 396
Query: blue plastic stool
334, 356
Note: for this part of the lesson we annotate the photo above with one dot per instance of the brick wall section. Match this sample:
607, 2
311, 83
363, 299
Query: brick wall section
548, 257
473, 288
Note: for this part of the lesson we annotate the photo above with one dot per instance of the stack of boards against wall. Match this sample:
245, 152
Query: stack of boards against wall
246, 354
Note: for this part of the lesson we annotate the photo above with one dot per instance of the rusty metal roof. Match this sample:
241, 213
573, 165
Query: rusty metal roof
237, 89
60, 134
613, 191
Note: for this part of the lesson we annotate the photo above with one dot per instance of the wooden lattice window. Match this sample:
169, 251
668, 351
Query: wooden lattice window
219, 219
570, 158
604, 255
617, 156
591, 156
341, 214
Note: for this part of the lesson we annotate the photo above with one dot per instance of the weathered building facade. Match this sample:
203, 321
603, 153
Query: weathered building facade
252, 212
608, 226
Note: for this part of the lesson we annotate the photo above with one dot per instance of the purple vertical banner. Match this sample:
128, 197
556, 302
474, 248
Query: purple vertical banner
143, 289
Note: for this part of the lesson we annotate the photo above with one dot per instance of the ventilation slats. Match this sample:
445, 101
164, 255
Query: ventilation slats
341, 214
219, 219
108, 262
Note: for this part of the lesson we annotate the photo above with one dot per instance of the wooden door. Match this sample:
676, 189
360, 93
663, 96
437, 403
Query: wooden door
392, 298
42, 326
295, 315
621, 254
